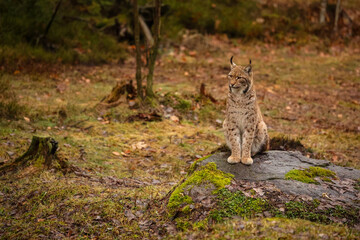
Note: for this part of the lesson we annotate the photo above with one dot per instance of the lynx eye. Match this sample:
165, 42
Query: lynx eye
237, 78
230, 76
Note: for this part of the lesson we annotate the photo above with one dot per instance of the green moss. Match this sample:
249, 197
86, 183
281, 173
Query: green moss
183, 224
271, 228
308, 175
183, 105
310, 212
195, 164
304, 211
201, 225
186, 209
357, 185
237, 204
206, 174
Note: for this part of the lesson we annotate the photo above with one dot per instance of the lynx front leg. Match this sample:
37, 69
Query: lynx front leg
233, 138
247, 141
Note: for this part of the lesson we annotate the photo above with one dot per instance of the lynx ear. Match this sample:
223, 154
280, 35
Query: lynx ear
248, 68
232, 64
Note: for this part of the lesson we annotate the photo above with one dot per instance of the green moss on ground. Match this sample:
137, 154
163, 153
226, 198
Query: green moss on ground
237, 204
231, 204
270, 228
308, 175
206, 174
48, 201
310, 212
183, 105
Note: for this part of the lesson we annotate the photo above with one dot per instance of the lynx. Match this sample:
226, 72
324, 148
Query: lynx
245, 131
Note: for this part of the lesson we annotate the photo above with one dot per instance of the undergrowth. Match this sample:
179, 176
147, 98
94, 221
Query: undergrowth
9, 104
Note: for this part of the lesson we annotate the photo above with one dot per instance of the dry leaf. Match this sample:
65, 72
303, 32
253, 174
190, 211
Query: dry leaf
174, 118
27, 119
139, 145
116, 153
124, 154
192, 53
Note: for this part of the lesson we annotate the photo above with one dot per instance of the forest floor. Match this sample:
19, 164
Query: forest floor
129, 163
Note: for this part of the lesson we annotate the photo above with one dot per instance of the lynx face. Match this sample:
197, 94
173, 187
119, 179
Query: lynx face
240, 79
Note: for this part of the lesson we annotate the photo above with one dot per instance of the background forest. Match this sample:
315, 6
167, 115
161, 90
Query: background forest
67, 72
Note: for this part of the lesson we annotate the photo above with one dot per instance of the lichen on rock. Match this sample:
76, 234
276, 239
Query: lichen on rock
308, 175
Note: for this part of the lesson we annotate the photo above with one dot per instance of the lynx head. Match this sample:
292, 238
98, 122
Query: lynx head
240, 78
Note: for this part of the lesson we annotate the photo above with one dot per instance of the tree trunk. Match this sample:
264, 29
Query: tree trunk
138, 51
41, 38
154, 50
337, 13
42, 152
323, 7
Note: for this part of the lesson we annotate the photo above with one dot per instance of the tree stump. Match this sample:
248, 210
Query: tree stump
41, 153
113, 99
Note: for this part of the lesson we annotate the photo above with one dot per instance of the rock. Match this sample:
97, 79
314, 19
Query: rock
214, 190
201, 192
271, 167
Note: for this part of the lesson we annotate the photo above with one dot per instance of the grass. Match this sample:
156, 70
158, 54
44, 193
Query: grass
301, 92
270, 228
49, 202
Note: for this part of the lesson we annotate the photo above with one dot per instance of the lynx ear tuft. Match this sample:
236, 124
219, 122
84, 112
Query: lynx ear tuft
232, 64
248, 68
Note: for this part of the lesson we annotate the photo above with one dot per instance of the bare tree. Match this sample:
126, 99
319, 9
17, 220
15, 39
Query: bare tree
323, 6
337, 13
138, 51
153, 51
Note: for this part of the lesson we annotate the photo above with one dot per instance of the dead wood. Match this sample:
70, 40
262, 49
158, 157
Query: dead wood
149, 117
41, 153
203, 94
114, 98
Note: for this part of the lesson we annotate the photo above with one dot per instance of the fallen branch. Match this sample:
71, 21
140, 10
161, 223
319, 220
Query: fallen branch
78, 122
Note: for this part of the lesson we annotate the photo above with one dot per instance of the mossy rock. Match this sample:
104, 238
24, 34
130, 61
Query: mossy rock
214, 191
205, 181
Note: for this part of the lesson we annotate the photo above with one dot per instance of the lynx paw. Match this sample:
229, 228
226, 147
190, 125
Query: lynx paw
233, 160
246, 161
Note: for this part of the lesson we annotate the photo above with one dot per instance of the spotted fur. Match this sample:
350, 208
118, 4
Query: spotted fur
245, 131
